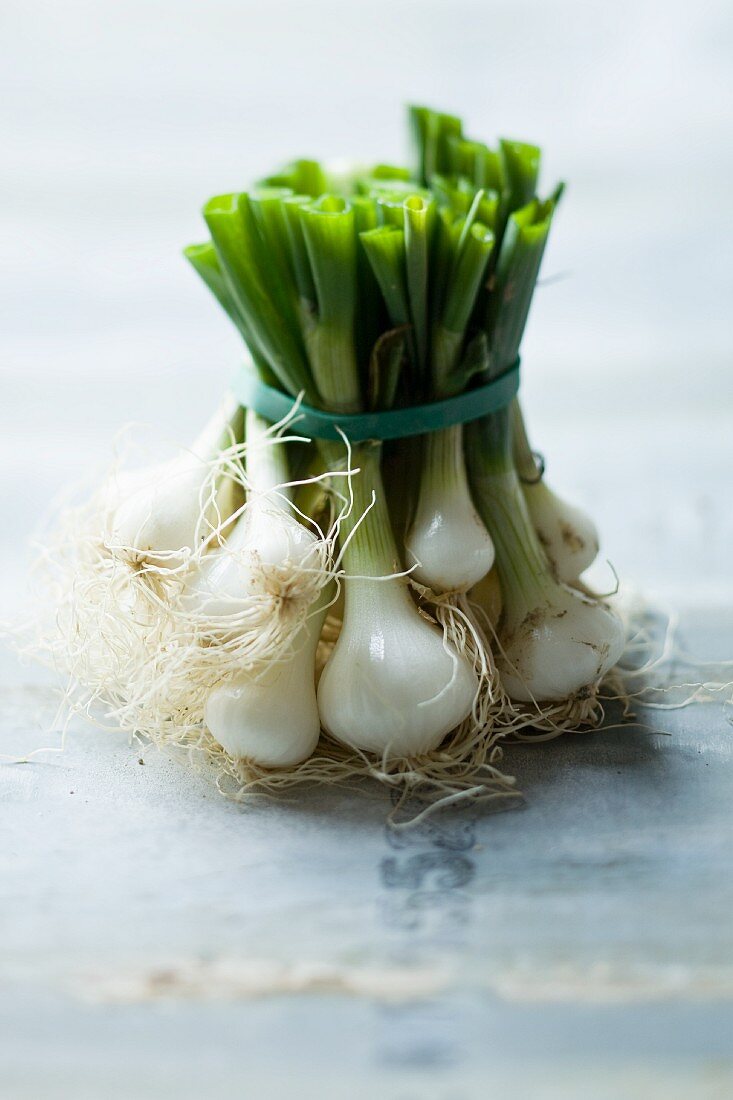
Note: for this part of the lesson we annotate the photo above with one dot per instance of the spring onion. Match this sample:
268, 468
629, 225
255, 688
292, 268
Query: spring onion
404, 604
271, 718
267, 716
267, 547
556, 643
391, 685
568, 536
161, 513
445, 515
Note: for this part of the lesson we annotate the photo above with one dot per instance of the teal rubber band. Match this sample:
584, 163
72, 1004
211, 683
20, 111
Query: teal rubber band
275, 405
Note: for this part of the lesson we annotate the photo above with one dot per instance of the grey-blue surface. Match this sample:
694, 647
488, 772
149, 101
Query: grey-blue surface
158, 940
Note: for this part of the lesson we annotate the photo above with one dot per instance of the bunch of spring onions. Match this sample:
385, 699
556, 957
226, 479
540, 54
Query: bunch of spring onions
449, 572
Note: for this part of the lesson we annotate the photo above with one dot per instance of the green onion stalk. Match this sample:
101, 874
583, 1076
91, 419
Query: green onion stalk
156, 518
556, 643
271, 718
445, 515
389, 286
392, 685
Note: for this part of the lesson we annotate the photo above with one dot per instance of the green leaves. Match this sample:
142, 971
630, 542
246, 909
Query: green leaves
261, 299
522, 163
318, 269
385, 368
514, 281
385, 249
432, 133
329, 229
303, 177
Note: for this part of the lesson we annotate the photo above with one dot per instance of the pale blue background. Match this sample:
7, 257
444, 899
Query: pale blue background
118, 120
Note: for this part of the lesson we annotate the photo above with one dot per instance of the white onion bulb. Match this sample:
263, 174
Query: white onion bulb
447, 538
155, 513
391, 685
273, 720
568, 536
268, 550
558, 646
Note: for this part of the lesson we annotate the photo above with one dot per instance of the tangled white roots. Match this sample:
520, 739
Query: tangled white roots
466, 766
137, 655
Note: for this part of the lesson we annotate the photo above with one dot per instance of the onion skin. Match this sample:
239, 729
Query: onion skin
267, 552
487, 594
568, 536
153, 516
447, 538
390, 687
272, 721
452, 548
560, 649
158, 521
557, 643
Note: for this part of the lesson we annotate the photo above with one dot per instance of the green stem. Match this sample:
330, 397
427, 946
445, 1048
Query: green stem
524, 459
304, 177
371, 552
266, 461
258, 294
445, 351
472, 252
515, 278
385, 250
298, 253
432, 133
419, 219
385, 369
497, 491
370, 313
205, 262
443, 459
330, 237
522, 168
266, 205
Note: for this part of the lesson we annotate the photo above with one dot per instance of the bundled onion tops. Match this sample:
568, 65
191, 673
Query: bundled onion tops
318, 603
